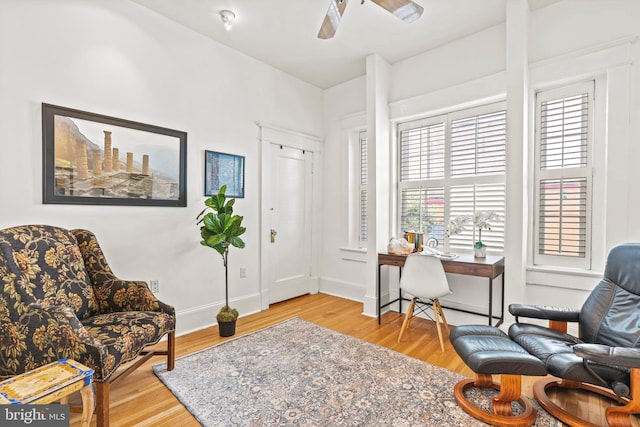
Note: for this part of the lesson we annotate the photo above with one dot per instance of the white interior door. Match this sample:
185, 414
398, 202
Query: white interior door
289, 230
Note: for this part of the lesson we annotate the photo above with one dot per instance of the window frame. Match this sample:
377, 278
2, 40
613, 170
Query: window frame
465, 239
610, 66
352, 126
361, 174
586, 172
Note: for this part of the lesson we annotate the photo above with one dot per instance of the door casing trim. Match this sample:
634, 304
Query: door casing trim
269, 134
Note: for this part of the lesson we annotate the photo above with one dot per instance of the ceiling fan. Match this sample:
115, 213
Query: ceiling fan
406, 10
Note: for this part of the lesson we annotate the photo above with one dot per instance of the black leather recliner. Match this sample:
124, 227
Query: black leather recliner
605, 357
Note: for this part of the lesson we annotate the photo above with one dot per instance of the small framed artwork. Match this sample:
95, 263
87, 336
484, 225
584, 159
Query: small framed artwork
221, 169
94, 159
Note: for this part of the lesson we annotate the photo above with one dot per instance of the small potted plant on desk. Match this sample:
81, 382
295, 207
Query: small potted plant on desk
221, 229
481, 221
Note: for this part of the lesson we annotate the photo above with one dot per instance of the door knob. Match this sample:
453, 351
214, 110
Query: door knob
273, 235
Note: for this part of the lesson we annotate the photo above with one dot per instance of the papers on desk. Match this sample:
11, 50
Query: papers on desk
438, 254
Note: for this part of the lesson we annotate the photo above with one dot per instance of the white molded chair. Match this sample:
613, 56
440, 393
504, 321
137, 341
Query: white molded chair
424, 278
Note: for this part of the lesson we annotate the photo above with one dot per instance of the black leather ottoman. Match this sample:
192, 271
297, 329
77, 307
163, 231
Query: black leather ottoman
488, 351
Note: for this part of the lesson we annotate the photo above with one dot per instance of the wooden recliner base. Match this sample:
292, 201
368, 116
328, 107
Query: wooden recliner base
502, 415
617, 416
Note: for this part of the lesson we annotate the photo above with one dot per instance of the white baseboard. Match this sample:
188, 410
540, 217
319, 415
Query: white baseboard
203, 316
342, 289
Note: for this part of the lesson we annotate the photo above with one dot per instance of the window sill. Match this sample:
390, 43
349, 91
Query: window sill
584, 280
354, 254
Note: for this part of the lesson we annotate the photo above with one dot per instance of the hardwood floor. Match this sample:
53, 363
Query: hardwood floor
142, 399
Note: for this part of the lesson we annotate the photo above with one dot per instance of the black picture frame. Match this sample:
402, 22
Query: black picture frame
94, 159
221, 169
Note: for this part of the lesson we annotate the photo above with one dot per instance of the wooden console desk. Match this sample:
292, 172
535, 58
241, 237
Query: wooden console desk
490, 267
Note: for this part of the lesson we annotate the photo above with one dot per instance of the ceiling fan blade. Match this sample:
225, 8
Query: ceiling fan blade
406, 10
332, 19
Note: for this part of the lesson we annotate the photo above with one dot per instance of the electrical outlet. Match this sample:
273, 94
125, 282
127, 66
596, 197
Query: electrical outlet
243, 272
154, 285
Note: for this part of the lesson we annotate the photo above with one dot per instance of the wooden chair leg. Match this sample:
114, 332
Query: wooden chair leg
102, 403
171, 350
407, 317
88, 404
437, 319
444, 319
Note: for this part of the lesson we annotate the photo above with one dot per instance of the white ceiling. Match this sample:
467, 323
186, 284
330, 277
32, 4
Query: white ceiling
283, 34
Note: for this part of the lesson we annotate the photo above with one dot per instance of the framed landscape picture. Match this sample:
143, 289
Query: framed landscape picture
90, 158
221, 169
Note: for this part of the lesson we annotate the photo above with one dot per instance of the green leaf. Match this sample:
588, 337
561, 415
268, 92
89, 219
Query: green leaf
215, 240
231, 225
236, 242
224, 222
213, 222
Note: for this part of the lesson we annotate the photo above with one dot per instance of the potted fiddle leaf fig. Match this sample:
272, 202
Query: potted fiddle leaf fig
220, 230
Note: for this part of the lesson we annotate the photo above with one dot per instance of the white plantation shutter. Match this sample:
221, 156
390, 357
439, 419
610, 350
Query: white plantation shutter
462, 202
563, 217
478, 144
362, 142
564, 132
563, 173
453, 165
422, 153
465, 200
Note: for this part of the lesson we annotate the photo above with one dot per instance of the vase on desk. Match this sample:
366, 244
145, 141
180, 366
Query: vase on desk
480, 250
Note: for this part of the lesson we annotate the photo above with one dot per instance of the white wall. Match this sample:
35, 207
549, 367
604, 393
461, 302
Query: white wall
470, 58
345, 106
116, 58
474, 68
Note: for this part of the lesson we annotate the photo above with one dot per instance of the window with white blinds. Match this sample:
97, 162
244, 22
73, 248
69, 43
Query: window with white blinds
563, 175
453, 166
362, 188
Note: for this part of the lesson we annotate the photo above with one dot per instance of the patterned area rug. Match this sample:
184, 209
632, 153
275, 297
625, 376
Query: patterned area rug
297, 373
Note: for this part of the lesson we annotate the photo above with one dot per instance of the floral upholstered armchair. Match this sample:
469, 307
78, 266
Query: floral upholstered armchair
60, 300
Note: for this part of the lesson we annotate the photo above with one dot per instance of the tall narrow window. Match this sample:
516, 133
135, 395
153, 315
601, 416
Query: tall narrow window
362, 143
452, 166
563, 175
421, 174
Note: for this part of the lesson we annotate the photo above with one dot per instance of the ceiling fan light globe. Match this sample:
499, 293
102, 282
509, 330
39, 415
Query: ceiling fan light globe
227, 18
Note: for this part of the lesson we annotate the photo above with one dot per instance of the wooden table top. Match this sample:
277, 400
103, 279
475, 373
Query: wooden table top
492, 266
